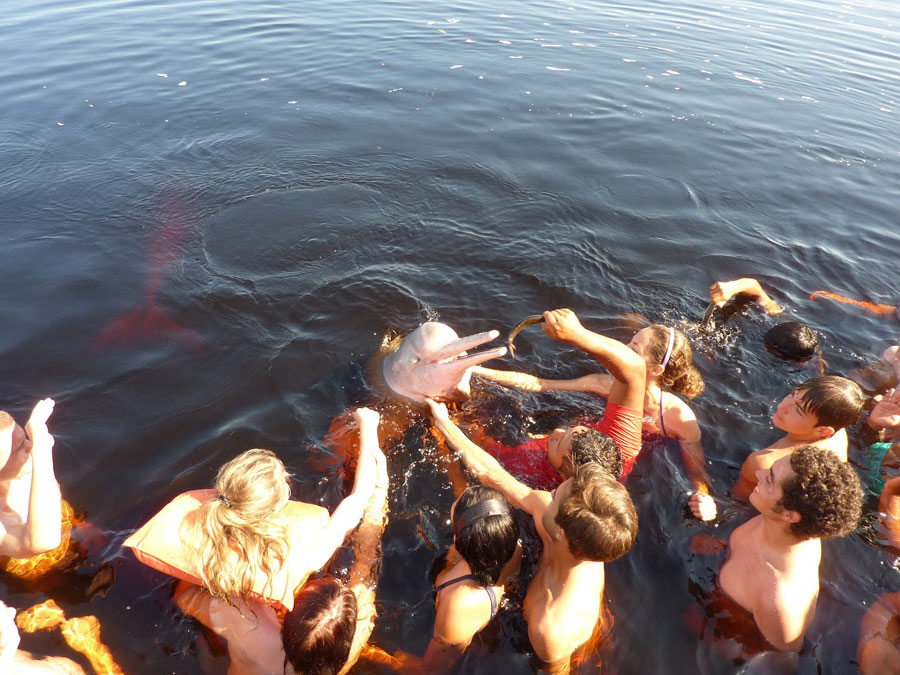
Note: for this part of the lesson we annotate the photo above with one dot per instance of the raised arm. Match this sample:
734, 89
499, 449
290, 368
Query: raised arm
350, 511
485, 468
627, 368
722, 291
41, 530
597, 383
366, 543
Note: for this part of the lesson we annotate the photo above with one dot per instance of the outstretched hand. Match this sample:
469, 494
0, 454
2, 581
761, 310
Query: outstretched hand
562, 325
886, 413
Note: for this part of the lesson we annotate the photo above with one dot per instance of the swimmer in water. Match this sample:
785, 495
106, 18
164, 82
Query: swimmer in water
330, 622
586, 521
788, 340
667, 357
771, 572
484, 556
30, 501
815, 414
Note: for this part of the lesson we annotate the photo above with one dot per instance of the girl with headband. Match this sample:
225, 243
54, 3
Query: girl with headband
670, 371
484, 556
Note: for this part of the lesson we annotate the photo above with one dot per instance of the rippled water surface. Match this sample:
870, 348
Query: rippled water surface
291, 181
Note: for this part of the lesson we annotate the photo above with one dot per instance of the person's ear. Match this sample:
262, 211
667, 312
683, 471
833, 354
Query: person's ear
789, 516
655, 370
824, 431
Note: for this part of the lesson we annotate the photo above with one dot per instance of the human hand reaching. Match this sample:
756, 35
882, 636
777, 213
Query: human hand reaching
562, 324
886, 413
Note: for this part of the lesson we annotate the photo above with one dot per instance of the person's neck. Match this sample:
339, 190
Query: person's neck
803, 438
562, 565
779, 544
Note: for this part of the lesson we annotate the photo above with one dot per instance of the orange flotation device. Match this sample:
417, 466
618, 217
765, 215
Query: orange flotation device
881, 310
170, 540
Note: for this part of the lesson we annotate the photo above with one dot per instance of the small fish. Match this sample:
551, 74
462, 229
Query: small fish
523, 324
708, 323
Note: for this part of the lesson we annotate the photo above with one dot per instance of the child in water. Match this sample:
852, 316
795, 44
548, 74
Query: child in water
670, 370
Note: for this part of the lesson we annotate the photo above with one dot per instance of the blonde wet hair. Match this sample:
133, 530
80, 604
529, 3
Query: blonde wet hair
244, 532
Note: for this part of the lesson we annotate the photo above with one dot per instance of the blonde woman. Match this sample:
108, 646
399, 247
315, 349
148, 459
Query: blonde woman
249, 546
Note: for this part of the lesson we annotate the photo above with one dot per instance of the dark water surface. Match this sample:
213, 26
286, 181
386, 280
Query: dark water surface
304, 177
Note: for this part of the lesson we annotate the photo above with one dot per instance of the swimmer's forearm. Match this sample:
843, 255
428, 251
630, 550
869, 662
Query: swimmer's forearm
511, 378
482, 465
618, 358
42, 529
367, 540
695, 464
748, 286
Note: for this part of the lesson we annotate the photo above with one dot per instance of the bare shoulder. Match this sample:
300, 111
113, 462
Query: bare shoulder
837, 444
681, 420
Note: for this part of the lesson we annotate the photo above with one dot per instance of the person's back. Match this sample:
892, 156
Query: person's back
815, 414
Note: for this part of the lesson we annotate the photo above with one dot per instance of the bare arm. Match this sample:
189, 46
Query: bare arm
722, 291
627, 368
781, 621
366, 543
598, 383
42, 528
747, 480
484, 467
350, 511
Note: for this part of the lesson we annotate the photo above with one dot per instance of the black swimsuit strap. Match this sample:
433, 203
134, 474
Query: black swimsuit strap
465, 577
488, 589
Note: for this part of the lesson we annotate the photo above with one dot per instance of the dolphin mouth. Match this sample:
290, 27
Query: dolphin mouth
456, 351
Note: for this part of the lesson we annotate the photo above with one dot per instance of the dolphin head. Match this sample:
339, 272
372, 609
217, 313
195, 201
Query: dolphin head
431, 362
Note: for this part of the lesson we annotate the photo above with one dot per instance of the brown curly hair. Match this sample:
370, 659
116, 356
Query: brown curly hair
680, 374
825, 491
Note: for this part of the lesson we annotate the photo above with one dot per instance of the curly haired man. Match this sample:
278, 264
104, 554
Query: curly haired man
772, 568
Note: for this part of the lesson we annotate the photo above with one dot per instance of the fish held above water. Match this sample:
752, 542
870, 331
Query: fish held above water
523, 324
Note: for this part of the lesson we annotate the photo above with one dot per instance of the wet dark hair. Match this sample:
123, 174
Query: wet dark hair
835, 401
680, 374
597, 516
318, 633
792, 340
487, 543
591, 445
825, 491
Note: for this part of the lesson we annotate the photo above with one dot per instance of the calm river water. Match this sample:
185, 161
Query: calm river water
290, 181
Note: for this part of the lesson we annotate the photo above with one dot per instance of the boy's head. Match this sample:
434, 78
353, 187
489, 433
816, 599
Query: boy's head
595, 514
814, 491
792, 341
567, 449
820, 407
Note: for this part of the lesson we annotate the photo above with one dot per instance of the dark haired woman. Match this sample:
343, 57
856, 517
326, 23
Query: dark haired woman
670, 370
484, 556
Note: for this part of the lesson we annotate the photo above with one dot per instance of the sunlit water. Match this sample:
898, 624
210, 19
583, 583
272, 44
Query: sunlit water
305, 177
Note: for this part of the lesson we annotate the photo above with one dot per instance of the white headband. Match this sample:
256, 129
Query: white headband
665, 360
